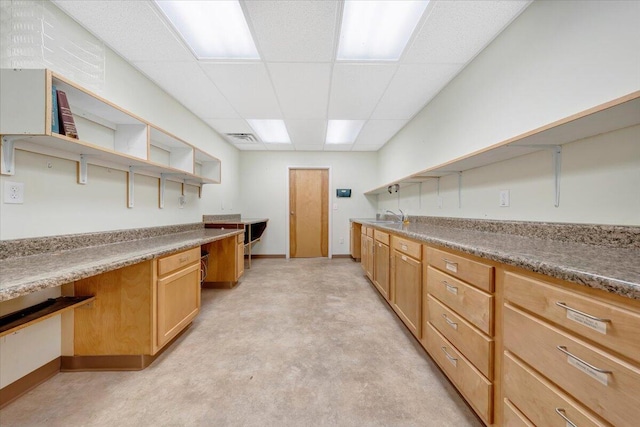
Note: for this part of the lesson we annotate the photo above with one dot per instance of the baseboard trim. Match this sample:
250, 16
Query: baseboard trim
30, 381
128, 362
219, 285
341, 256
258, 256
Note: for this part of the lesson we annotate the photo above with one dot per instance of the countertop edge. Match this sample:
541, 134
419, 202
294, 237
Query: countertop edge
589, 279
58, 278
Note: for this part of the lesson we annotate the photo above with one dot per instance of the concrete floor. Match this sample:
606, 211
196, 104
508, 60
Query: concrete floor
302, 342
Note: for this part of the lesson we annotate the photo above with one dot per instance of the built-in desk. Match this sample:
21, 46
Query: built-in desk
253, 229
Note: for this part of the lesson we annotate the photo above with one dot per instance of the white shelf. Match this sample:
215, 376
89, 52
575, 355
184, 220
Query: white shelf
110, 136
616, 114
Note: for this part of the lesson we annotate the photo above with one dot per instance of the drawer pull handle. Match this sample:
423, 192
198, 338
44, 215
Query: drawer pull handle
561, 412
454, 325
582, 313
452, 359
183, 259
452, 289
404, 247
589, 365
450, 265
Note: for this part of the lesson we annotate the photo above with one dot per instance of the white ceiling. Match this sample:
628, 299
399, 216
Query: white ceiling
298, 78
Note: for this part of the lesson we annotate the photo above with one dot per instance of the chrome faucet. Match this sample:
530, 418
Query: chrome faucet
400, 218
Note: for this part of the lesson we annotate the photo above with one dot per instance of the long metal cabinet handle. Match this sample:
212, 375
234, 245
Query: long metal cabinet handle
573, 356
450, 357
566, 307
561, 412
450, 322
447, 261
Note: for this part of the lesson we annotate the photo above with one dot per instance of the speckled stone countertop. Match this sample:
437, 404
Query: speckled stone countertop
613, 269
28, 274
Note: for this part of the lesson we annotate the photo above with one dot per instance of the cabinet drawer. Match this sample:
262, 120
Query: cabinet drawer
240, 238
407, 247
469, 302
381, 236
512, 417
473, 344
473, 272
471, 383
619, 329
613, 394
179, 260
539, 400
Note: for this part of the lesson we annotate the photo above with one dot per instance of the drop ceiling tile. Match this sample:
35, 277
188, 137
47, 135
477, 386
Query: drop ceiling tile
224, 126
358, 147
307, 132
302, 89
186, 82
412, 87
378, 132
134, 29
456, 31
247, 87
294, 31
357, 88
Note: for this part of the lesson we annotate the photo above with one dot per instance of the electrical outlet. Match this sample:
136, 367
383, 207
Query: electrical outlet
504, 198
342, 240
182, 200
13, 192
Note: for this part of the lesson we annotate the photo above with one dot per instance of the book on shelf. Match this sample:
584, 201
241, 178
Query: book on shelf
67, 124
55, 123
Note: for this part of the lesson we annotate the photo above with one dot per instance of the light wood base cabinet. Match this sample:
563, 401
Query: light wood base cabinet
138, 310
225, 264
381, 263
355, 242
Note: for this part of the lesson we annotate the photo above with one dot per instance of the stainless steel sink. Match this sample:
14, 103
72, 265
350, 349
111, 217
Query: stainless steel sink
383, 222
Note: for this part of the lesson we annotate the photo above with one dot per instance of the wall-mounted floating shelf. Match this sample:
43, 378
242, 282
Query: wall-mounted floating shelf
616, 114
109, 136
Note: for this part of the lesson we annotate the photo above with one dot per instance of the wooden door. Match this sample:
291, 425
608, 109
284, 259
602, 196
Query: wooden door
309, 213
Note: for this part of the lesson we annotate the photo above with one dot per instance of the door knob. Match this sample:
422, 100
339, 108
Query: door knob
292, 213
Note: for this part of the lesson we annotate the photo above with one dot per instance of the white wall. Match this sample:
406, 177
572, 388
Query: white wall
556, 59
56, 204
263, 181
600, 177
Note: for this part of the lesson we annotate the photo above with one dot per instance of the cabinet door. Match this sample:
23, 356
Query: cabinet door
370, 257
363, 248
407, 290
381, 268
178, 302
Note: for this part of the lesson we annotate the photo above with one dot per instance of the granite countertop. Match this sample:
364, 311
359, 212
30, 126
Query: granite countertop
245, 221
615, 270
27, 274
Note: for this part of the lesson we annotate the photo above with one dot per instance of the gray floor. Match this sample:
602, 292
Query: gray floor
304, 342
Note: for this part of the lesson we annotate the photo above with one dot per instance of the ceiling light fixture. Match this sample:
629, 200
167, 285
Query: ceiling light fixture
271, 131
212, 29
377, 30
343, 131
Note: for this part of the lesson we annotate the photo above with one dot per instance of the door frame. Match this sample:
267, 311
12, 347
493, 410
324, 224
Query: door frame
288, 216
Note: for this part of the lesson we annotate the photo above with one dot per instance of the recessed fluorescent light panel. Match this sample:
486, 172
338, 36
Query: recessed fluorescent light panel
377, 30
212, 29
343, 131
271, 131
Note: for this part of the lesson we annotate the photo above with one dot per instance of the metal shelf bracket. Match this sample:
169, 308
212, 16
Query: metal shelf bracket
130, 187
557, 167
163, 181
82, 173
459, 189
8, 156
